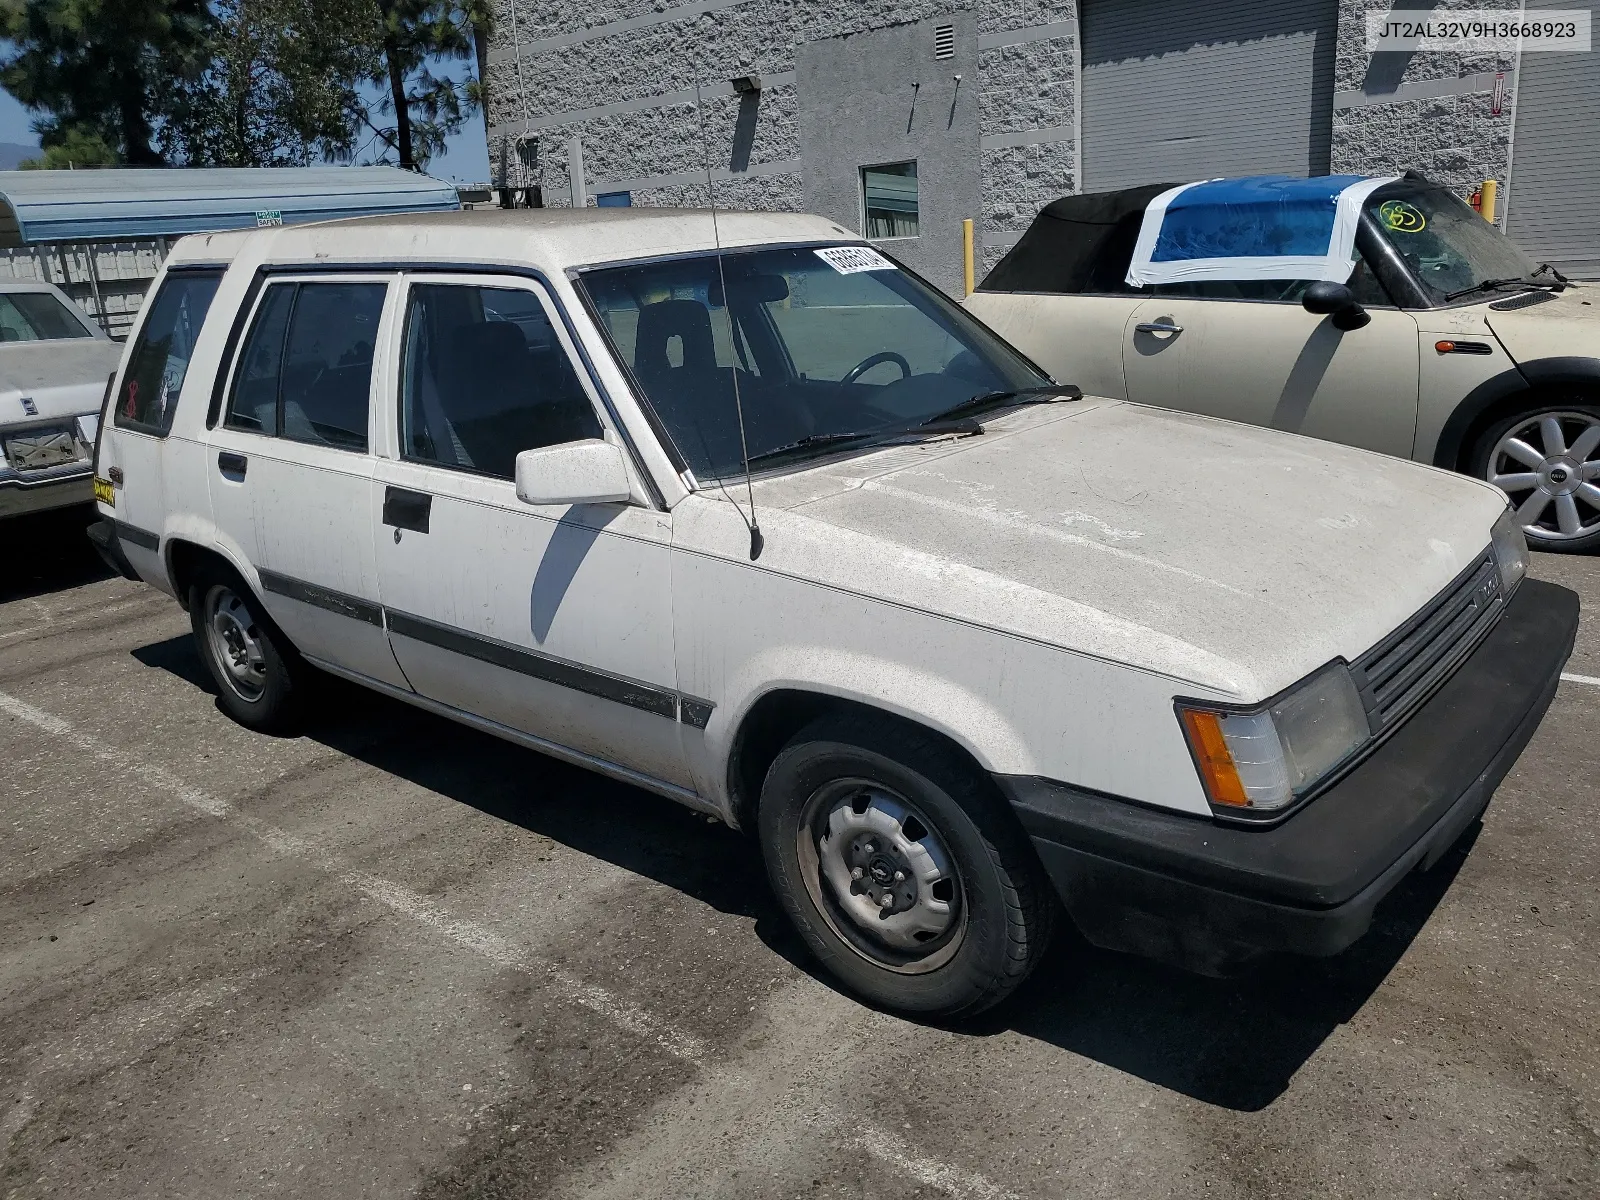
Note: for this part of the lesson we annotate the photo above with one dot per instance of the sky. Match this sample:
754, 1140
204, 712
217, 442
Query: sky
466, 159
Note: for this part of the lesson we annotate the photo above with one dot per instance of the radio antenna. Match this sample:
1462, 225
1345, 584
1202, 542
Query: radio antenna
757, 542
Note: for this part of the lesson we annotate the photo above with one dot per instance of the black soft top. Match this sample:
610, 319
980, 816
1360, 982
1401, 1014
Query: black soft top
1076, 244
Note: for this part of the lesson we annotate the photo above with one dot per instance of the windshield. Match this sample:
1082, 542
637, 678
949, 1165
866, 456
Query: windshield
36, 317
823, 341
1447, 245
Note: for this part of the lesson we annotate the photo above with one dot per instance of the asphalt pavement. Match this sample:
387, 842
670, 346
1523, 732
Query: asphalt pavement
394, 957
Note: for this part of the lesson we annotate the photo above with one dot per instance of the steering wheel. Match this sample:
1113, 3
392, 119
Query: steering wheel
872, 360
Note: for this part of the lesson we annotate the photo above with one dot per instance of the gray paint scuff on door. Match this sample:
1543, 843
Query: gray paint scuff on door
881, 97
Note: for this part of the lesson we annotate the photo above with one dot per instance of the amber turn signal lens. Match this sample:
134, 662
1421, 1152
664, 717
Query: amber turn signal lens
1444, 347
1211, 752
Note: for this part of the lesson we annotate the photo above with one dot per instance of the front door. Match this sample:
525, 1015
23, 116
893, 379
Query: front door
1218, 350
291, 466
552, 620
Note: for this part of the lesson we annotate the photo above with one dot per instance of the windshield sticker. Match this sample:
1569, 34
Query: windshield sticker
847, 260
1402, 216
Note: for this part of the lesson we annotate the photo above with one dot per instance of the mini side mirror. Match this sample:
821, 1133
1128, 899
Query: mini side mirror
586, 472
1325, 298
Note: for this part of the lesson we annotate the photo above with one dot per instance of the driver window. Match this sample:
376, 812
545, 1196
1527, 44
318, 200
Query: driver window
486, 378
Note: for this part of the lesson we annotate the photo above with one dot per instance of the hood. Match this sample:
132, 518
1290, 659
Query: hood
1565, 326
1234, 558
63, 378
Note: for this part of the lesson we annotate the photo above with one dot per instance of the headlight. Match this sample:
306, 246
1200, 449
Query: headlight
1259, 761
1510, 551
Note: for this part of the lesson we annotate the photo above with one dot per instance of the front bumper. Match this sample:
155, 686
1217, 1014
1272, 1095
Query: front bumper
1206, 895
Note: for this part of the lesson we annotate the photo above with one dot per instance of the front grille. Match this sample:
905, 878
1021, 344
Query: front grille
1403, 670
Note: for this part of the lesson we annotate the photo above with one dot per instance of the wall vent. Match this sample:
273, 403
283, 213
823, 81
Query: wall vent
944, 41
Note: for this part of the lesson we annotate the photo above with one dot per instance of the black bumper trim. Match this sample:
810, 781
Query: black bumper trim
103, 534
1162, 882
135, 536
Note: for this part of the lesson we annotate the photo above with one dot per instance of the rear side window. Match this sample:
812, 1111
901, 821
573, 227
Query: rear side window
305, 372
160, 358
485, 378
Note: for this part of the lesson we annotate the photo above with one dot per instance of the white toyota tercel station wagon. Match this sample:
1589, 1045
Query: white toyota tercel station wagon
742, 512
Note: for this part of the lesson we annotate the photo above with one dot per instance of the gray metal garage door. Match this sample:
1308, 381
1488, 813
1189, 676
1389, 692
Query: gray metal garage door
1178, 90
1553, 203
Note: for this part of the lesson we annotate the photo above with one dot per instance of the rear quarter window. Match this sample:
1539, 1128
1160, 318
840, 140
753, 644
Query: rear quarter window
160, 358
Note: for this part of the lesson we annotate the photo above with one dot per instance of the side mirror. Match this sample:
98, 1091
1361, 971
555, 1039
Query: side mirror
586, 472
1326, 298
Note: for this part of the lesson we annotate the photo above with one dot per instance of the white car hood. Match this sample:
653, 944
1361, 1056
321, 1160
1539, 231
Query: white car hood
1235, 558
62, 378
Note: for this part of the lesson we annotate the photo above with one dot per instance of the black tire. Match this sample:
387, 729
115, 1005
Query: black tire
1005, 905
1481, 462
270, 699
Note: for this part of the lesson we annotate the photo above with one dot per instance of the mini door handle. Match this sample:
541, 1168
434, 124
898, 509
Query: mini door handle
1157, 327
230, 463
405, 509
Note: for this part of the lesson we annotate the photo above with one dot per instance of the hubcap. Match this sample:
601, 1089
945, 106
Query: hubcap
881, 875
235, 643
1547, 466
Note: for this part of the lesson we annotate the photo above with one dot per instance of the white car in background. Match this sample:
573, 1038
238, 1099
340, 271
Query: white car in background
54, 370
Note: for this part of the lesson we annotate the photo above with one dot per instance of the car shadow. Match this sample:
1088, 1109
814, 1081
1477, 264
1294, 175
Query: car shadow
1234, 1043
48, 552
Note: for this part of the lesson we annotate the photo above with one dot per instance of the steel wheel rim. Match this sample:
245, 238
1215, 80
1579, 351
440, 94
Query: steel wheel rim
851, 825
235, 643
1549, 466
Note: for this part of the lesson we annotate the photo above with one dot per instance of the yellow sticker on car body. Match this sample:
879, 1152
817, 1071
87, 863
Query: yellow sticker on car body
104, 492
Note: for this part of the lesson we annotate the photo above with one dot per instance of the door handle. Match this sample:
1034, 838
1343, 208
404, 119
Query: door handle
232, 465
1157, 327
405, 509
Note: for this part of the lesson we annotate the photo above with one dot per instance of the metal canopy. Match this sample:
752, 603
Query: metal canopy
121, 204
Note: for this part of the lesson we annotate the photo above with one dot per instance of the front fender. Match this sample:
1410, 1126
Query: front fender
1493, 396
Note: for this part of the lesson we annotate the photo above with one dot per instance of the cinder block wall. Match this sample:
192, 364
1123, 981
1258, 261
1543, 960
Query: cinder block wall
1430, 111
621, 75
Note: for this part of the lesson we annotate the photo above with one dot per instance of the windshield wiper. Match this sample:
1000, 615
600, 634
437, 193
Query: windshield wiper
1488, 285
1047, 394
815, 440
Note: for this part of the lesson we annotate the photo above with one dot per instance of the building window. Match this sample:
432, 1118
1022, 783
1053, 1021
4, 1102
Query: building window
890, 195
614, 199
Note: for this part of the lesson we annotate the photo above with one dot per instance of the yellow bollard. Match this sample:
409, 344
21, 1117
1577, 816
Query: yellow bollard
1491, 192
966, 254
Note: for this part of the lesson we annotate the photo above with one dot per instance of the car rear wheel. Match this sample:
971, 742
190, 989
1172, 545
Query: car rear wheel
902, 869
1548, 462
257, 672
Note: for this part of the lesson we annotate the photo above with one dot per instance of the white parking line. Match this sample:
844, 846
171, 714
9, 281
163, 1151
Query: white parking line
483, 941
1569, 677
467, 934
882, 1144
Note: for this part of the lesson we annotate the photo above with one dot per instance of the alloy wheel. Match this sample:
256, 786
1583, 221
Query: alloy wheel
1548, 466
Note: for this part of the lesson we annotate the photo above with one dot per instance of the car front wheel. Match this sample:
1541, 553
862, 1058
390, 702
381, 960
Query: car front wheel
902, 869
1548, 462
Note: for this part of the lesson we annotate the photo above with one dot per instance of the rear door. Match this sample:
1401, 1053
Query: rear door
1219, 351
291, 464
134, 461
